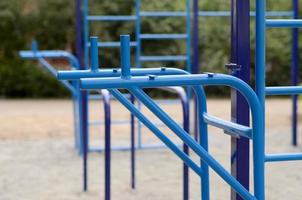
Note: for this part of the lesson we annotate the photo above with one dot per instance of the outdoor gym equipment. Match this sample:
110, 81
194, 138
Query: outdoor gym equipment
94, 73
134, 85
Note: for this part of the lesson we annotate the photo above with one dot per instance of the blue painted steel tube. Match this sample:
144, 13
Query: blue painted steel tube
94, 53
206, 79
107, 112
284, 23
106, 73
126, 74
295, 74
284, 90
80, 58
283, 157
156, 131
240, 54
188, 31
260, 51
52, 54
85, 32
111, 18
214, 14
125, 57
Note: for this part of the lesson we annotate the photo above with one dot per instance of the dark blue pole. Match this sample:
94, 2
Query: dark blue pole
195, 67
132, 142
83, 95
295, 73
107, 112
186, 127
240, 54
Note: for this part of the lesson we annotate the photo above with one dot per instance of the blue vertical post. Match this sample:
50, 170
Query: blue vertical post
188, 22
195, 61
240, 54
126, 74
295, 73
138, 62
82, 103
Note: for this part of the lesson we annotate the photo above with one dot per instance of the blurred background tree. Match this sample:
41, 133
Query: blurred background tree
51, 22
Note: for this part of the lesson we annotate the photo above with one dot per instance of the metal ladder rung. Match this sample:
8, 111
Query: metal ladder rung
163, 36
283, 90
112, 44
283, 157
163, 58
284, 23
163, 14
252, 14
111, 18
231, 128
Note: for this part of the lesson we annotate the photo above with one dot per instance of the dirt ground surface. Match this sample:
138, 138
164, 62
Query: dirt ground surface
38, 160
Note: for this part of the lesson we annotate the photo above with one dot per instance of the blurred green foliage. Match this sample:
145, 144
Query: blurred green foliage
51, 22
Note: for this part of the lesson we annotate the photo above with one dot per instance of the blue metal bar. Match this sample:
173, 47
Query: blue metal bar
195, 57
232, 128
163, 58
240, 54
163, 14
80, 58
163, 36
188, 42
94, 53
107, 127
137, 59
283, 157
85, 32
284, 23
112, 44
284, 90
125, 57
74, 75
40, 55
111, 18
295, 74
51, 54
211, 14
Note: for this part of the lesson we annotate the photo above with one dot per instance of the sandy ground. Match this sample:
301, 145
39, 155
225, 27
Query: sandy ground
38, 160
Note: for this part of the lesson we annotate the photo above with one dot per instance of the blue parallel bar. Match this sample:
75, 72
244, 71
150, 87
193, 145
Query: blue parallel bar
284, 90
283, 157
163, 58
230, 127
112, 44
52, 54
212, 14
163, 36
111, 18
284, 23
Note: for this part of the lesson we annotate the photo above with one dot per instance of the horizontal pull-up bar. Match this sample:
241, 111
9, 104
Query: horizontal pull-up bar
51, 54
74, 75
284, 23
284, 157
283, 90
231, 128
212, 14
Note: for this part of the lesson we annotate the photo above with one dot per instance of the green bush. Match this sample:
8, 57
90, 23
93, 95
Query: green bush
52, 24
